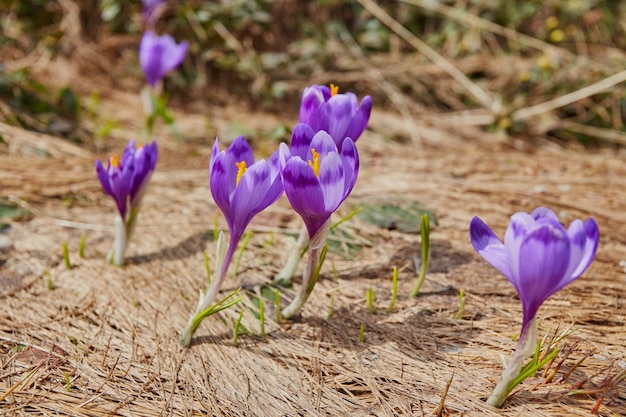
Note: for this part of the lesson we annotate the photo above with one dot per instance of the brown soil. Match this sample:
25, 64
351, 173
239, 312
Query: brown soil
113, 332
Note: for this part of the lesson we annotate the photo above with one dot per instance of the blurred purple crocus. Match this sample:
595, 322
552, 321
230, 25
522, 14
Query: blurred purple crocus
317, 179
341, 115
126, 181
158, 55
149, 7
539, 257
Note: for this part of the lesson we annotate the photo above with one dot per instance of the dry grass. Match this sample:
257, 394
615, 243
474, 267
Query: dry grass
114, 332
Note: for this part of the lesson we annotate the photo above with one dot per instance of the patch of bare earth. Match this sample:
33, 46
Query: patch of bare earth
104, 341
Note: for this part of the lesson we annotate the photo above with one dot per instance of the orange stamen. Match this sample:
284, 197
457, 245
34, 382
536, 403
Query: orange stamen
242, 166
115, 161
315, 163
334, 89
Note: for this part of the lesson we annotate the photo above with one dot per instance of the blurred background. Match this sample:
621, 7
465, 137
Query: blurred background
529, 69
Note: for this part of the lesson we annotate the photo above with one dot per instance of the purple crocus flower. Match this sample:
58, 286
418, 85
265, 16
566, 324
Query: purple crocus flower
149, 7
126, 179
538, 256
340, 115
317, 177
241, 187
158, 55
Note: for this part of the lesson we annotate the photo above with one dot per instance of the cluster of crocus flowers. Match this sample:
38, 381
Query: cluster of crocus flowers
317, 179
241, 188
539, 257
340, 115
126, 179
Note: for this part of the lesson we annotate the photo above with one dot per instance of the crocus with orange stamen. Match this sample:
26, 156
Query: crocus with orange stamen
339, 114
125, 179
317, 179
241, 188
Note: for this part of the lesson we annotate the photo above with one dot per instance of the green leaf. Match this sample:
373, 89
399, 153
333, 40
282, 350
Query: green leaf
405, 218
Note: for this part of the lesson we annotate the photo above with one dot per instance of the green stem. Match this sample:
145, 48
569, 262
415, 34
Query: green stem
285, 276
526, 346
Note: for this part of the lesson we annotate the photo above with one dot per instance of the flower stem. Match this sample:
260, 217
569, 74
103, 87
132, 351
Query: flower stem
208, 298
525, 348
286, 274
308, 282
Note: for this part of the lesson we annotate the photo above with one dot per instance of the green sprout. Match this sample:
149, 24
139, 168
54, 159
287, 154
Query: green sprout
371, 297
277, 305
330, 307
394, 289
236, 329
81, 247
66, 256
262, 315
49, 280
459, 313
362, 333
425, 233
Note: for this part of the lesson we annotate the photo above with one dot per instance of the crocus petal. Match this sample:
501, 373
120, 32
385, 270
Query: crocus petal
241, 151
487, 244
214, 152
591, 237
350, 158
251, 190
103, 176
305, 194
149, 57
342, 106
301, 140
323, 144
520, 225
543, 261
219, 187
331, 181
360, 119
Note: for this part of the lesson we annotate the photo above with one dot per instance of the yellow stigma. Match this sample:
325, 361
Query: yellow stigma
242, 166
139, 146
115, 161
315, 163
334, 89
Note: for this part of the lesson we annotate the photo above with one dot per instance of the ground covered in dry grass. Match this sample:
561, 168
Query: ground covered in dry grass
99, 340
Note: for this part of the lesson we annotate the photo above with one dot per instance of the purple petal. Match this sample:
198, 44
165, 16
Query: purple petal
241, 151
323, 144
103, 176
305, 194
301, 140
584, 238
313, 98
360, 119
543, 261
214, 152
248, 195
544, 213
487, 244
219, 187
331, 181
350, 158
521, 224
342, 107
